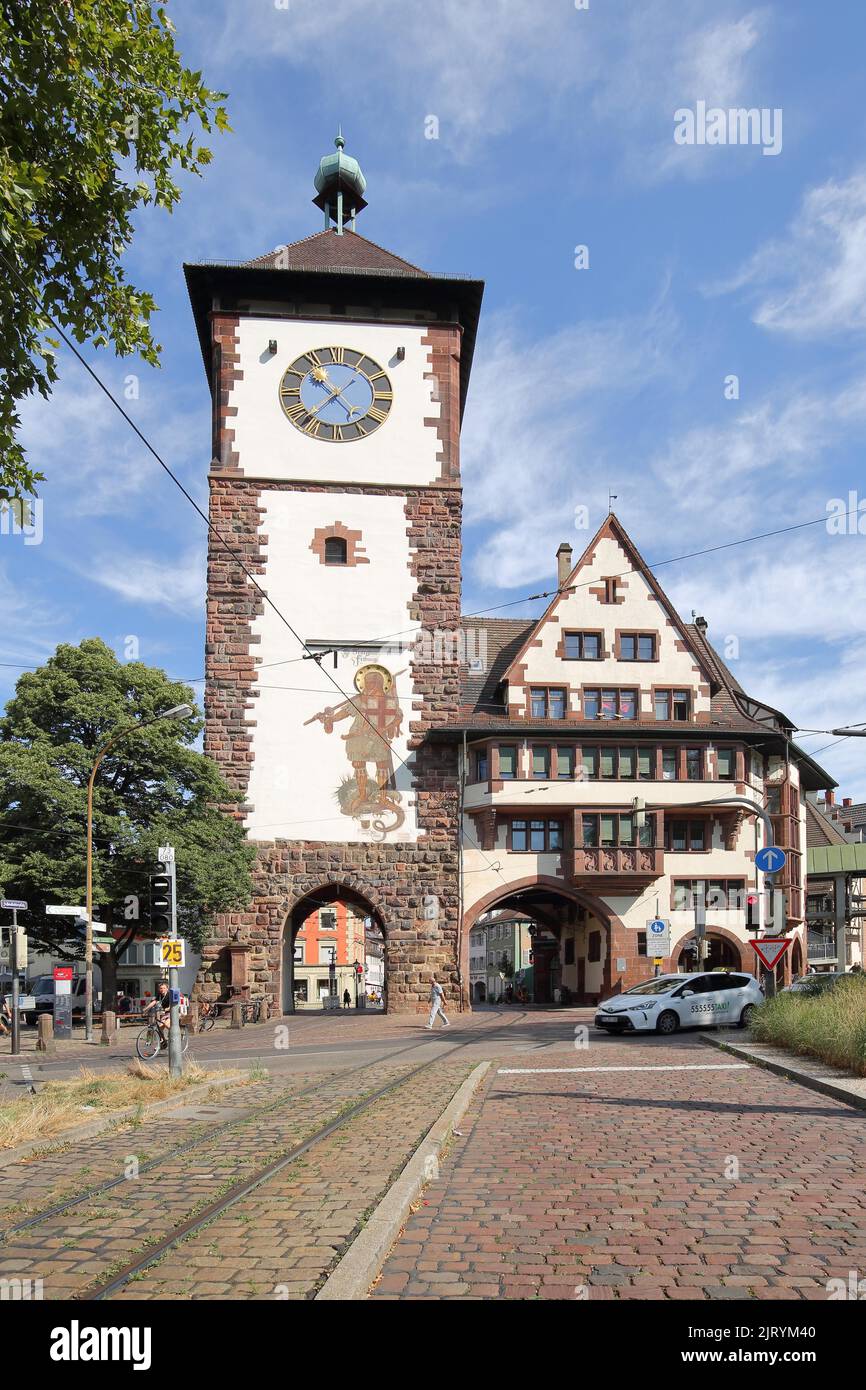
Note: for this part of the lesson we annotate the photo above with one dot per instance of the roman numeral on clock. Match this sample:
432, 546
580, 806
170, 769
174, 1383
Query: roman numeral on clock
374, 413
296, 412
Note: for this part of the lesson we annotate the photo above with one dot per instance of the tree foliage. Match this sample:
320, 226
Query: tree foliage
97, 117
152, 788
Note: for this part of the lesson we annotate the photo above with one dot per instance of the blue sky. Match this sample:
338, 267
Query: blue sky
555, 129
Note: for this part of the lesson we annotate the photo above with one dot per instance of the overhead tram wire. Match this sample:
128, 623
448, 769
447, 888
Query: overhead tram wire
317, 656
213, 530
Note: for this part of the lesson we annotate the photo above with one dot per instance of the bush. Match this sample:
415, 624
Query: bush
830, 1025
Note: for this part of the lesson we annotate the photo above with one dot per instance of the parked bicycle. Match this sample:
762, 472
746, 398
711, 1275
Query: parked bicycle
252, 1010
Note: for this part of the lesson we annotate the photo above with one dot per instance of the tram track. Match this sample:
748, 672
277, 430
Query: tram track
275, 1120
102, 1289
211, 1134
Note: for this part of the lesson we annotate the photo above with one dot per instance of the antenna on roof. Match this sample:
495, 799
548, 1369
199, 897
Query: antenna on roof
611, 498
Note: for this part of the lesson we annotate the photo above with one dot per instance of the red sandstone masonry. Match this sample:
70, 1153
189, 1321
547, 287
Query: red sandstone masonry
394, 878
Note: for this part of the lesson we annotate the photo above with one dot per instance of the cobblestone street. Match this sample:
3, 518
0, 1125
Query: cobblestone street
710, 1180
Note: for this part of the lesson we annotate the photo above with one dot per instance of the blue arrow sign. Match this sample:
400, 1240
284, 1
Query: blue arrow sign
657, 926
770, 859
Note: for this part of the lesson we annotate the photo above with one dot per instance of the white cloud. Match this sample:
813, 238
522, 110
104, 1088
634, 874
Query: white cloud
532, 439
487, 67
152, 582
812, 281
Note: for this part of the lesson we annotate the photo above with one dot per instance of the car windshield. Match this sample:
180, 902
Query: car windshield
661, 986
44, 985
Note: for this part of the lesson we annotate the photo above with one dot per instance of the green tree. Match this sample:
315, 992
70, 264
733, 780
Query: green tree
97, 117
152, 788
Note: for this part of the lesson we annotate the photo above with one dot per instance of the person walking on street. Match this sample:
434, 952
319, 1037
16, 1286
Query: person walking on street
437, 995
347, 999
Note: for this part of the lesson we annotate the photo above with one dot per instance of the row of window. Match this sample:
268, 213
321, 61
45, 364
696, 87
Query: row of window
589, 646
609, 702
608, 830
627, 764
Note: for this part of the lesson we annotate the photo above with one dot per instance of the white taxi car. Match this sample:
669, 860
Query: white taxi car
682, 1001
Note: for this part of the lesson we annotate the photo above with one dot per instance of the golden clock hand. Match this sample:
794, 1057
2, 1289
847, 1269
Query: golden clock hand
338, 393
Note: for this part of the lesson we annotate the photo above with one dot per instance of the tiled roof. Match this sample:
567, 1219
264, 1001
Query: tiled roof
820, 829
327, 251
503, 638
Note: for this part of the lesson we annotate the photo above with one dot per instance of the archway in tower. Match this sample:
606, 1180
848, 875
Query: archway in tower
333, 954
544, 945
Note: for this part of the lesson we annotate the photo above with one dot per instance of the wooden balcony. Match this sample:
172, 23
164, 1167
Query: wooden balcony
613, 870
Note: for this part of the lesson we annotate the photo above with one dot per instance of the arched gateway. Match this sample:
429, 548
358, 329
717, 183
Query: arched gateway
557, 942
333, 953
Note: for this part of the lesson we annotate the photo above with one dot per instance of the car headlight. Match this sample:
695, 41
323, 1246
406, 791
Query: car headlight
641, 1008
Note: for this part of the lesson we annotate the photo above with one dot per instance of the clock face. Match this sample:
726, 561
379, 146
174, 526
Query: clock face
336, 394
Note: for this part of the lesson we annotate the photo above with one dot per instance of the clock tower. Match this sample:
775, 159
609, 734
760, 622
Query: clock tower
338, 374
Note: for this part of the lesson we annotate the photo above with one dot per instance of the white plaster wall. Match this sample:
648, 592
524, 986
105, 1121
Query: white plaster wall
582, 611
401, 451
298, 767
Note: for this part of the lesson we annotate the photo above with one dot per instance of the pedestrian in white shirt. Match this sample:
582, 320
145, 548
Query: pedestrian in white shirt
437, 994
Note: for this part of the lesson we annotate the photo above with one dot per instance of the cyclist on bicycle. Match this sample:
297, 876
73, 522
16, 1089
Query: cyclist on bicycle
160, 1008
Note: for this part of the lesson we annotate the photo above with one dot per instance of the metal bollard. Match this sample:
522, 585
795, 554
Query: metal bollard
45, 1034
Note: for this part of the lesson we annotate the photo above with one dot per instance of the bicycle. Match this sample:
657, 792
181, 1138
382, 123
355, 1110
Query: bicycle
207, 1016
252, 1011
150, 1041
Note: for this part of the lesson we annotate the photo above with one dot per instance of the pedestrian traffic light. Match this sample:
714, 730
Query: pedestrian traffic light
753, 912
161, 902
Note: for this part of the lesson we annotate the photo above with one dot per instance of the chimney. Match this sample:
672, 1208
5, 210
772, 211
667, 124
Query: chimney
701, 624
563, 563
847, 801
829, 798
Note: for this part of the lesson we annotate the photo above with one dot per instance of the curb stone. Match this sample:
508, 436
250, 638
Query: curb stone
365, 1257
826, 1085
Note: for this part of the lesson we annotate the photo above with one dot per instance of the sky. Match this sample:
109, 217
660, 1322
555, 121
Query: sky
682, 325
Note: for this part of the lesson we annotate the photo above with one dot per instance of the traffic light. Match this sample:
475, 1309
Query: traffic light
161, 902
359, 969
753, 912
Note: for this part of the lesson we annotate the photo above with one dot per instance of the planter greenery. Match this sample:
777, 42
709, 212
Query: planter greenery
830, 1025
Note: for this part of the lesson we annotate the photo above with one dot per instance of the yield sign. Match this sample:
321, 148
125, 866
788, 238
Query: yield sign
771, 949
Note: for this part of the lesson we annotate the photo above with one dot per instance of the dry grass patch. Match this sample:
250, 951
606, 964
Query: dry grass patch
58, 1105
830, 1025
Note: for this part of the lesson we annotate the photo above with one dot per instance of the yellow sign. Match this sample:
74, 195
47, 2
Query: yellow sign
173, 951
658, 960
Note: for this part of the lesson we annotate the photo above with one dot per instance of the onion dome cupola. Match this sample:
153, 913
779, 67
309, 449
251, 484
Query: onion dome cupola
340, 187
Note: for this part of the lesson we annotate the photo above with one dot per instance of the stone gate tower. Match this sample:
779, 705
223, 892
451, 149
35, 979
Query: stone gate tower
338, 374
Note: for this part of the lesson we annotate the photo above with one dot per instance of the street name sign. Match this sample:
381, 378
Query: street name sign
770, 859
53, 911
13, 905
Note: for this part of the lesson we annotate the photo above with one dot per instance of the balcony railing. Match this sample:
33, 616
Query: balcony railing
820, 947
631, 864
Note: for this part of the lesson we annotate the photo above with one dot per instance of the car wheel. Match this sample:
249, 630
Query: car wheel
746, 1016
667, 1022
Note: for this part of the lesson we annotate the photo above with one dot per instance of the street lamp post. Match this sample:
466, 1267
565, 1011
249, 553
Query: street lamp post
176, 712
